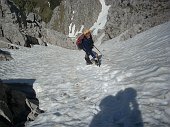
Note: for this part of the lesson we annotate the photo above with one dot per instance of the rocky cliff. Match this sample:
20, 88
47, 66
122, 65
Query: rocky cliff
74, 12
18, 27
129, 17
32, 22
135, 16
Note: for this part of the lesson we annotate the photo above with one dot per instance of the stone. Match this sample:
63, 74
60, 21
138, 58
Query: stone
35, 111
41, 42
5, 56
31, 41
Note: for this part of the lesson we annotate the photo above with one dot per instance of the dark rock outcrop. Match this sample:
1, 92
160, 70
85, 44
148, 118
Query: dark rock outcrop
18, 103
31, 41
5, 56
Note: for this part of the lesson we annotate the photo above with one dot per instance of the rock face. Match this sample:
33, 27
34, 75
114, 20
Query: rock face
135, 16
55, 38
17, 105
125, 16
5, 56
18, 28
73, 12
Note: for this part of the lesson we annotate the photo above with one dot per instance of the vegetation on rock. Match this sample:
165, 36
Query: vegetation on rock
42, 7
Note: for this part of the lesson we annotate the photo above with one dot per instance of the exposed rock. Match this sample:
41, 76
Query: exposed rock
13, 34
131, 17
18, 103
31, 41
135, 16
9, 28
41, 42
81, 12
33, 104
56, 38
5, 56
17, 27
23, 28
5, 113
4, 43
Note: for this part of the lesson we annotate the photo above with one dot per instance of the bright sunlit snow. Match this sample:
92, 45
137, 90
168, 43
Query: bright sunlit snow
72, 32
49, 4
130, 89
102, 18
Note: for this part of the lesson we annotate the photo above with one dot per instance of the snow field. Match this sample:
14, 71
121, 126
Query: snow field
131, 88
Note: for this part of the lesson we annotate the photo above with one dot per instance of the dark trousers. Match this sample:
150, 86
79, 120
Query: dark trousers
87, 58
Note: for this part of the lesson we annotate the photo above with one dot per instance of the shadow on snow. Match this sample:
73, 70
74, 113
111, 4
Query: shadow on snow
121, 110
23, 85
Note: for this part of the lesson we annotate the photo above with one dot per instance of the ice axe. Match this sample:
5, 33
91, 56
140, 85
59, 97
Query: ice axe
98, 50
101, 53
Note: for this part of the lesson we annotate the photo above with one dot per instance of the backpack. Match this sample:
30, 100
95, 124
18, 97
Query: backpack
79, 42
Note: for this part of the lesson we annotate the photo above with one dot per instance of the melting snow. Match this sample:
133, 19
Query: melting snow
102, 18
72, 32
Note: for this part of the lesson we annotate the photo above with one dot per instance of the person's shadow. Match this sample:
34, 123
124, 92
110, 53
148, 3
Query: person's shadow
120, 110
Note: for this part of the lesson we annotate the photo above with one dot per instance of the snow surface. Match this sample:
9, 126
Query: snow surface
130, 89
102, 18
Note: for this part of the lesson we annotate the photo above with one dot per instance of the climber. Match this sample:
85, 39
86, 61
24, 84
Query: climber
87, 46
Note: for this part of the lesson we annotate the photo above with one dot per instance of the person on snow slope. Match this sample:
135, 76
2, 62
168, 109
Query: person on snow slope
87, 46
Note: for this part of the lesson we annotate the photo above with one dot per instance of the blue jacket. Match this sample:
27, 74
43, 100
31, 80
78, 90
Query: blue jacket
88, 45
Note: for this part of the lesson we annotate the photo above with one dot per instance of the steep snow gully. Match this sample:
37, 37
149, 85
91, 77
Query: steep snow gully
130, 89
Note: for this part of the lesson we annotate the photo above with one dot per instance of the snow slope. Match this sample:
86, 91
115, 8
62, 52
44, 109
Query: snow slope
130, 89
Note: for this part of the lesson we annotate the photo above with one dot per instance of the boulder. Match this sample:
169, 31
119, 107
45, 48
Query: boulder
31, 41
41, 42
5, 56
